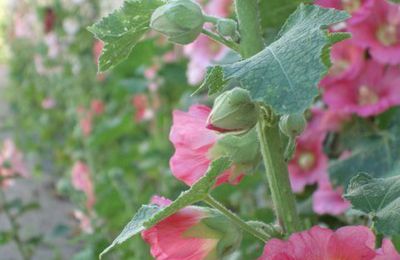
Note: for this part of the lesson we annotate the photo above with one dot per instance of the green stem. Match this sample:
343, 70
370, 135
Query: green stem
277, 175
235, 219
251, 41
14, 227
211, 19
222, 40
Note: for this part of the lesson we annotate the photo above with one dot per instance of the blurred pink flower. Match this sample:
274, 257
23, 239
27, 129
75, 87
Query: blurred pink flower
350, 6
309, 164
375, 90
82, 181
49, 20
327, 200
346, 243
97, 49
85, 120
387, 251
377, 27
48, 103
347, 61
85, 224
53, 45
193, 144
170, 239
220, 8
11, 163
143, 111
97, 106
325, 120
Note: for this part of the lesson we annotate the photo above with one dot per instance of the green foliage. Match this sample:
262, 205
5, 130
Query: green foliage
149, 215
284, 75
122, 30
374, 150
380, 198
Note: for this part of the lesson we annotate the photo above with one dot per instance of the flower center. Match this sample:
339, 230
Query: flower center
351, 5
306, 161
366, 96
387, 34
339, 66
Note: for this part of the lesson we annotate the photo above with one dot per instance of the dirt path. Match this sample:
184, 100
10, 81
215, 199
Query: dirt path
51, 220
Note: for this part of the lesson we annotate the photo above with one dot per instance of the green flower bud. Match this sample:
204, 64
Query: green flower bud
233, 111
180, 20
227, 28
292, 125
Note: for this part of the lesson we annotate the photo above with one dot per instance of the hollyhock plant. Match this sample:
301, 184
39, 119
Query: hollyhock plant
377, 27
387, 251
193, 233
193, 144
350, 6
11, 162
85, 223
143, 111
82, 181
326, 120
346, 243
375, 90
347, 61
48, 103
97, 106
329, 200
309, 163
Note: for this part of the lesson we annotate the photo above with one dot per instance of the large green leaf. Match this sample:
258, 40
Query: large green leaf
285, 74
373, 150
378, 197
149, 215
122, 30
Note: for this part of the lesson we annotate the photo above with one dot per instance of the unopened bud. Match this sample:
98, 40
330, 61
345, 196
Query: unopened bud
180, 20
227, 28
292, 125
233, 111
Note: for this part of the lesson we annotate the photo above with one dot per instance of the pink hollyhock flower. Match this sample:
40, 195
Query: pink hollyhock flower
82, 181
325, 120
85, 224
193, 144
201, 54
375, 90
327, 200
350, 6
309, 163
141, 105
96, 50
85, 121
186, 234
220, 8
387, 252
377, 27
48, 103
97, 106
11, 162
347, 61
347, 243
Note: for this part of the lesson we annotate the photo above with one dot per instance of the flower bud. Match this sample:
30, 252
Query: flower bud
180, 20
292, 125
233, 111
227, 28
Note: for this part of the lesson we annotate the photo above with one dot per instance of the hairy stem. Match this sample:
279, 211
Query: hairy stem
14, 227
235, 219
271, 147
221, 40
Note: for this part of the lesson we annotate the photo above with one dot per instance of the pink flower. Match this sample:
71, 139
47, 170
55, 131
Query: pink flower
85, 121
82, 181
193, 144
97, 106
375, 90
325, 120
97, 49
350, 6
141, 105
347, 61
377, 27
11, 163
347, 243
48, 103
309, 163
201, 54
85, 224
220, 8
387, 252
186, 234
327, 200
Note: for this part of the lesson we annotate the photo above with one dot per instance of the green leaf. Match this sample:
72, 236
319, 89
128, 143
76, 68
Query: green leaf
285, 74
373, 150
122, 30
149, 215
378, 197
